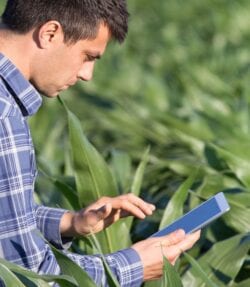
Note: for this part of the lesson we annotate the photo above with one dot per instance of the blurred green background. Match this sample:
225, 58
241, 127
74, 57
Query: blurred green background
179, 85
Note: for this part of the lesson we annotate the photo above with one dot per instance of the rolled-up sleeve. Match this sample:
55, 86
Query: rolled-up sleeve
48, 222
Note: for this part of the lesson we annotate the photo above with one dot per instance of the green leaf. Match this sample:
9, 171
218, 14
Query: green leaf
63, 280
32, 282
93, 177
154, 283
137, 182
198, 271
170, 275
9, 278
112, 281
121, 166
70, 268
245, 283
238, 217
222, 262
240, 166
174, 208
203, 134
94, 180
69, 193
41, 283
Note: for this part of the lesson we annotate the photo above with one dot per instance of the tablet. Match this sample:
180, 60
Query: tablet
198, 217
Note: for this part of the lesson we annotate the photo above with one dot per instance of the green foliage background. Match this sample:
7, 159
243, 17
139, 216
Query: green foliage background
179, 85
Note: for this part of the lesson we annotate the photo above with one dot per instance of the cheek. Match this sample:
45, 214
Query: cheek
72, 67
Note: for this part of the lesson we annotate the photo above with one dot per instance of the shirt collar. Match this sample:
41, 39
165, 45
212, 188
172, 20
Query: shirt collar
21, 89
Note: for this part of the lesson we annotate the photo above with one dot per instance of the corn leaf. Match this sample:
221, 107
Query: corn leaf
93, 177
174, 208
70, 268
9, 278
222, 262
94, 180
111, 280
154, 283
68, 192
63, 280
238, 217
239, 165
121, 166
244, 283
137, 182
198, 271
32, 282
170, 275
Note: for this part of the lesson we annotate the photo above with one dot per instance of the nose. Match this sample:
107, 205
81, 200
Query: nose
86, 71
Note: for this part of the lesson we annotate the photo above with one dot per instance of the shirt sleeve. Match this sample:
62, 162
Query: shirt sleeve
48, 222
124, 264
127, 267
18, 239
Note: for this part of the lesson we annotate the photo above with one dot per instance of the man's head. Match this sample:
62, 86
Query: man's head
80, 19
55, 43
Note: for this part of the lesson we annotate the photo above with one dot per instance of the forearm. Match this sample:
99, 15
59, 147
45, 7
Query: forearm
48, 222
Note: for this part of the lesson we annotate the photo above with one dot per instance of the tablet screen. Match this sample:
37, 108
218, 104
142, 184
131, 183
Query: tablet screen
199, 216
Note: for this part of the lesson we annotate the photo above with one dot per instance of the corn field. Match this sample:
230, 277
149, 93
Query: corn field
166, 118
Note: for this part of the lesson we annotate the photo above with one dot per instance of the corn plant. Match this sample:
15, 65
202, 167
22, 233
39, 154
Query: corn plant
217, 270
179, 85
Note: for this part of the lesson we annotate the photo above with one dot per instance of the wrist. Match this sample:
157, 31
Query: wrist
67, 224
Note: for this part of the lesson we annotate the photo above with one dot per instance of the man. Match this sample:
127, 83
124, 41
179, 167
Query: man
47, 46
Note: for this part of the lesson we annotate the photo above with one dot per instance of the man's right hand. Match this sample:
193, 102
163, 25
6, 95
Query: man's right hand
151, 251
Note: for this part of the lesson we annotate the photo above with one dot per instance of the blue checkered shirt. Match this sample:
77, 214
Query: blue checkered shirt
20, 216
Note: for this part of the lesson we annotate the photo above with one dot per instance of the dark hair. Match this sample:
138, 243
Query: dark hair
80, 19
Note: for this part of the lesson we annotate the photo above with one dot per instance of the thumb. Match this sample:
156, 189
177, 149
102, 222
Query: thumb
104, 211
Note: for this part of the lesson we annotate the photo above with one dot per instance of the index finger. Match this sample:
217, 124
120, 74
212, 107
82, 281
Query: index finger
139, 203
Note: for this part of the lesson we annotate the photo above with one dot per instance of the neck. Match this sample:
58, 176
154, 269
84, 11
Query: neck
17, 48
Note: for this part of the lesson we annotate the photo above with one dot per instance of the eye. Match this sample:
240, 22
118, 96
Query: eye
90, 58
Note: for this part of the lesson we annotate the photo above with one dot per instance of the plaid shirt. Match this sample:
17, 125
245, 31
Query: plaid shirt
20, 217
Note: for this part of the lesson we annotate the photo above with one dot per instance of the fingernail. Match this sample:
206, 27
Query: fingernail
180, 232
152, 207
150, 212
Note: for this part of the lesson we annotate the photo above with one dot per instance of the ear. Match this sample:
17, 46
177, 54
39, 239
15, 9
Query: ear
49, 34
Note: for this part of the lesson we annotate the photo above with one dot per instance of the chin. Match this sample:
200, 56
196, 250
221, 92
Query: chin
50, 94
53, 95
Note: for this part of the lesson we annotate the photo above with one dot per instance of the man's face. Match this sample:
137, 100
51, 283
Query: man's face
63, 65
